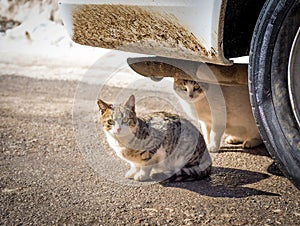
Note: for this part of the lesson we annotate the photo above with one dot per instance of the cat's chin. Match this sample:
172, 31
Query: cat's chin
193, 100
122, 134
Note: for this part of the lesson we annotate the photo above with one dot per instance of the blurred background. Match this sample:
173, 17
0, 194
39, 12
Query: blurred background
32, 39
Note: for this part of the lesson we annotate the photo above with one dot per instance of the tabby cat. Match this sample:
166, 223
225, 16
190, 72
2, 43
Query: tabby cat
158, 146
239, 123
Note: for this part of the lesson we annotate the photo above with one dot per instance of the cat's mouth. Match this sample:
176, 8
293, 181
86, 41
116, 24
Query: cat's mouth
191, 96
121, 132
192, 99
117, 131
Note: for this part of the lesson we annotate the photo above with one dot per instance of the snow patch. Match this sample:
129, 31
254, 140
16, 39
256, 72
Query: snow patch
40, 47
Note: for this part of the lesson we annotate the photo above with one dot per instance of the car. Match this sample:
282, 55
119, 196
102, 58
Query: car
193, 32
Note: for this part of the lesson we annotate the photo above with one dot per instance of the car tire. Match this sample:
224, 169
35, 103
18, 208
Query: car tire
274, 61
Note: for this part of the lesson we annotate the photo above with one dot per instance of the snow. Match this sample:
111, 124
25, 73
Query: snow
39, 44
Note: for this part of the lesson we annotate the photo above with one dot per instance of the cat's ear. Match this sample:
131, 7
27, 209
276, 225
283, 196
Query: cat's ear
103, 106
204, 86
130, 103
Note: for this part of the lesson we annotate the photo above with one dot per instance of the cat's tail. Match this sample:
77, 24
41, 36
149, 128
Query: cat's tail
195, 172
184, 175
190, 174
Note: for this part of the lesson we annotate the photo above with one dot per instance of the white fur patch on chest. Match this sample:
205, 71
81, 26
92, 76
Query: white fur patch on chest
114, 144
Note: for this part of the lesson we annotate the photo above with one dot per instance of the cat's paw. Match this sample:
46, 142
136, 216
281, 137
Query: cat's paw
131, 173
141, 176
252, 143
232, 140
213, 148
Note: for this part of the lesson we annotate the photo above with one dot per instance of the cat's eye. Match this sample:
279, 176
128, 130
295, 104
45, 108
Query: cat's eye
196, 87
125, 120
110, 122
183, 88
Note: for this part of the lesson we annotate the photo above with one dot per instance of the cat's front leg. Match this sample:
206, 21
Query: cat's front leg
215, 139
213, 147
132, 172
217, 105
205, 130
143, 174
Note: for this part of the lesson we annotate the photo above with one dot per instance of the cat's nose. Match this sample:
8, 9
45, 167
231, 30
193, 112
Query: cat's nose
191, 96
119, 130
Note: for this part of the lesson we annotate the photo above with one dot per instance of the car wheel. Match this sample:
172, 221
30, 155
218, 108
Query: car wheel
274, 82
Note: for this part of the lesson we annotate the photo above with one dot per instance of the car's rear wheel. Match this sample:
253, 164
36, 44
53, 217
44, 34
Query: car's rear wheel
274, 82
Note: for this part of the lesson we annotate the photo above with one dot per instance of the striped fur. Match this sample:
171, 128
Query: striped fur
157, 146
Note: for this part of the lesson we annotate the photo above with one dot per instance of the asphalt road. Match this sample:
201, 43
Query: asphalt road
45, 178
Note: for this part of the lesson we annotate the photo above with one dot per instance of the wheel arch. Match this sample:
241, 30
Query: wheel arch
239, 22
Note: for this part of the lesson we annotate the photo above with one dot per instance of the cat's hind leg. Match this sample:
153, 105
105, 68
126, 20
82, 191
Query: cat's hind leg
251, 143
233, 140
